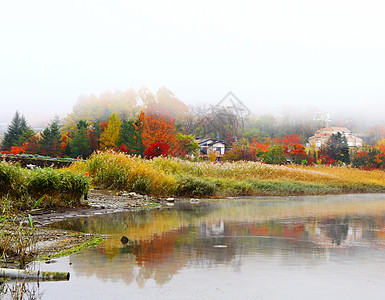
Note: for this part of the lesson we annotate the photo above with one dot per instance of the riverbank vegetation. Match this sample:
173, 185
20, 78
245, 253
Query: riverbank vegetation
165, 177
24, 189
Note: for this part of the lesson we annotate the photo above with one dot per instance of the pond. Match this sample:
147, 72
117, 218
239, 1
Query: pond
329, 247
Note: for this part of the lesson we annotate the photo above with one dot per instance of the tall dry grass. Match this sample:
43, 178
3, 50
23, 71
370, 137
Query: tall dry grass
172, 176
112, 170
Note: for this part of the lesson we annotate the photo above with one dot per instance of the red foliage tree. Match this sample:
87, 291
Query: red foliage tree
103, 125
17, 150
32, 146
157, 149
291, 140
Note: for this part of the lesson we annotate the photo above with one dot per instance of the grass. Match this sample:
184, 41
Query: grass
16, 240
172, 176
96, 240
25, 189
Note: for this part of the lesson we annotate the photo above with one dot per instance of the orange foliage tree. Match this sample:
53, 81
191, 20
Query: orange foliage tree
258, 146
298, 155
158, 128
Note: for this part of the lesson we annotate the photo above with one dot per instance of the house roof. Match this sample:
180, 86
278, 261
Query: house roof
333, 129
326, 132
209, 142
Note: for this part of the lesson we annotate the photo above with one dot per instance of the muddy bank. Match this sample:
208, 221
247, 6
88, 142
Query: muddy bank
99, 202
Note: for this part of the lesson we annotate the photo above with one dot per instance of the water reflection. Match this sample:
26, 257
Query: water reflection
162, 243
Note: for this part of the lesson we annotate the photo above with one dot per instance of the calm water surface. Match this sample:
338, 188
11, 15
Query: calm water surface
262, 248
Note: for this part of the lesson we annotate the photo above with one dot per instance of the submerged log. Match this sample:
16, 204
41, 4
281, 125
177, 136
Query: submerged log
33, 275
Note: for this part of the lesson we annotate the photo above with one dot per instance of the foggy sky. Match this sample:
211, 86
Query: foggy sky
270, 54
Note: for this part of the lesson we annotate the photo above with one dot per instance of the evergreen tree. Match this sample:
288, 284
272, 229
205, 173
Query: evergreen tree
51, 139
131, 136
18, 132
80, 142
337, 148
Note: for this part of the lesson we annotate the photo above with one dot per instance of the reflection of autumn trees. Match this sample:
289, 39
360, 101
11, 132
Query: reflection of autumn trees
164, 242
155, 251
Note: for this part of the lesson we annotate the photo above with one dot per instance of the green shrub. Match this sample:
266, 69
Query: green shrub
195, 187
41, 187
12, 180
72, 187
142, 185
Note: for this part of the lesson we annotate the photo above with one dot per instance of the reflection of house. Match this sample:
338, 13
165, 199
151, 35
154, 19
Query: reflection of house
323, 134
211, 146
330, 236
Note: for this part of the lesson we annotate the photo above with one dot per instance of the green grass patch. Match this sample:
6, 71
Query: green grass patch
25, 189
94, 241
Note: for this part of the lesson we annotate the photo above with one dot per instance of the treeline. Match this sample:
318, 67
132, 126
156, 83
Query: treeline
152, 124
139, 123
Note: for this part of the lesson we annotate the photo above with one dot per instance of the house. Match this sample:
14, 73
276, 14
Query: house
211, 146
322, 135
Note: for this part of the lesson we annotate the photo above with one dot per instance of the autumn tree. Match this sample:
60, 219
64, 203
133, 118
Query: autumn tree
18, 132
94, 133
157, 128
240, 152
289, 141
176, 108
298, 155
274, 155
110, 136
95, 109
157, 149
32, 146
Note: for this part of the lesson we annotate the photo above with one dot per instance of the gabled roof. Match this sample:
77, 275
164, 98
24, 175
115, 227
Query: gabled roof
334, 129
209, 142
325, 133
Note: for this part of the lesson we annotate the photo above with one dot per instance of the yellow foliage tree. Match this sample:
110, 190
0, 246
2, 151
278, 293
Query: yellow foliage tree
110, 136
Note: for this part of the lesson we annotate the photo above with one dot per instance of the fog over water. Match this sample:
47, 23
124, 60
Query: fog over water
273, 55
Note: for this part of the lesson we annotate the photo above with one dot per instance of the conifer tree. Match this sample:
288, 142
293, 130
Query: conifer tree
337, 148
51, 139
80, 142
18, 132
131, 136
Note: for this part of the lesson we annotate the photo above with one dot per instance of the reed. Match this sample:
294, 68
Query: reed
173, 176
16, 240
118, 171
